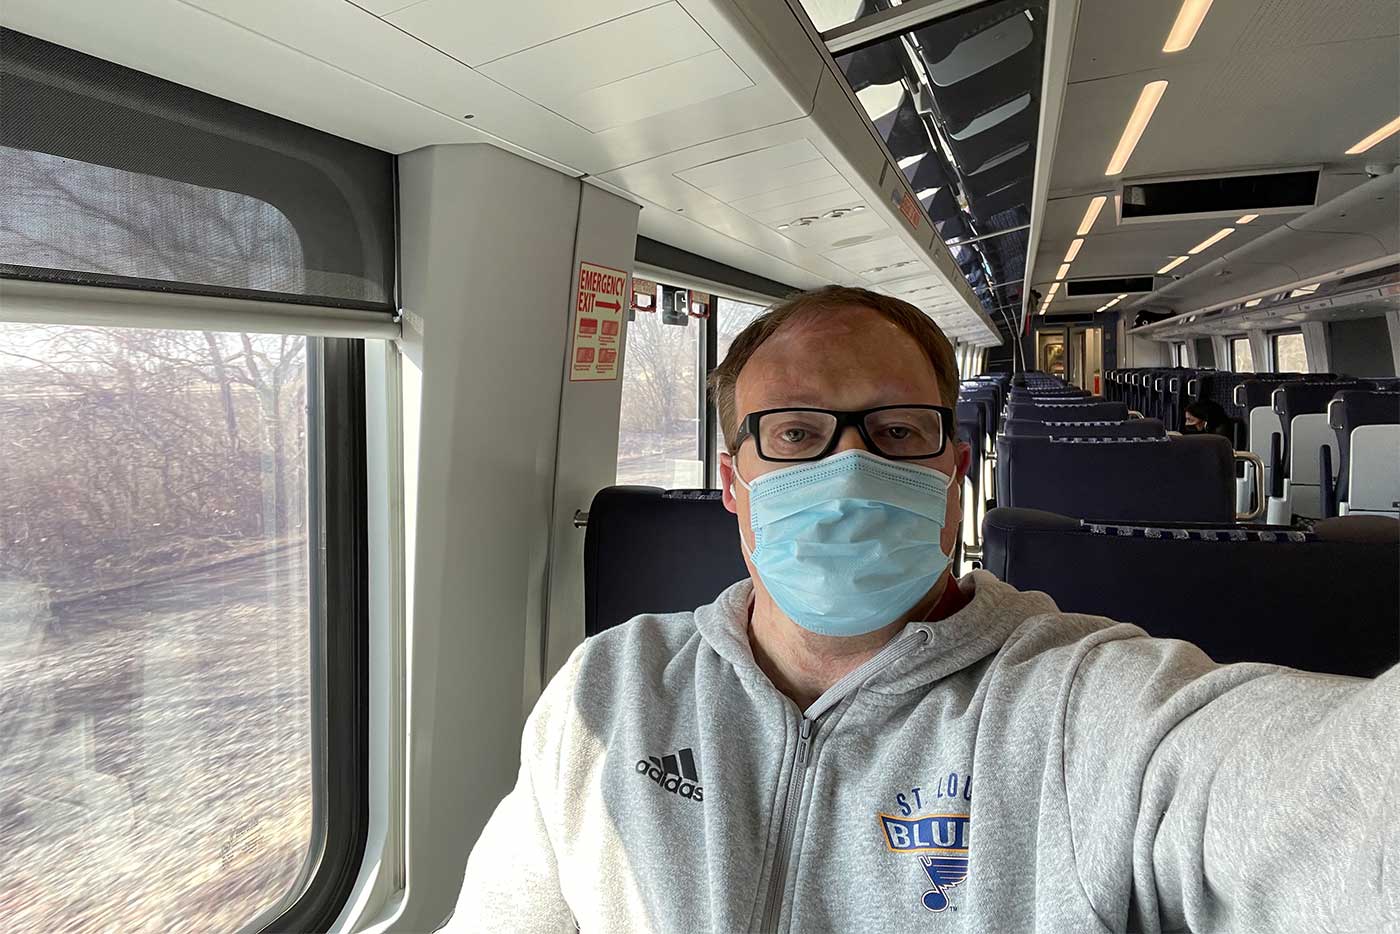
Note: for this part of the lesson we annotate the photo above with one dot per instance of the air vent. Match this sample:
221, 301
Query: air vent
1220, 196
1079, 288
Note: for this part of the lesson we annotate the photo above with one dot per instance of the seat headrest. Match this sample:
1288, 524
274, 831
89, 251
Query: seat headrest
656, 551
1323, 600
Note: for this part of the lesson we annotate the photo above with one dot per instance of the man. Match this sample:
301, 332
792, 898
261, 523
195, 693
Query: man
856, 741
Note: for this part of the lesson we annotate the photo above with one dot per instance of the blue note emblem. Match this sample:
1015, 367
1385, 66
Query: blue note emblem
940, 843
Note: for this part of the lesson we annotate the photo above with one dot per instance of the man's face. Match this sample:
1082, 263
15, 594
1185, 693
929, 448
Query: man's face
849, 359
1194, 423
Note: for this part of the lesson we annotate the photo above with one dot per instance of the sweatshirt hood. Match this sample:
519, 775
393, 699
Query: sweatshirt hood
973, 633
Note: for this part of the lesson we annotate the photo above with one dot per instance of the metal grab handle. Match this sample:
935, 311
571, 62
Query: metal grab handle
1261, 498
580, 519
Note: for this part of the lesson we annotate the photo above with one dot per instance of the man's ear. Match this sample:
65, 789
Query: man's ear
726, 481
964, 459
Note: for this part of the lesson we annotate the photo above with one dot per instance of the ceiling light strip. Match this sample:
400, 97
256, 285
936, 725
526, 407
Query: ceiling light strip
1248, 218
1073, 250
1188, 20
1172, 265
1211, 241
1091, 214
1390, 129
1063, 271
1137, 124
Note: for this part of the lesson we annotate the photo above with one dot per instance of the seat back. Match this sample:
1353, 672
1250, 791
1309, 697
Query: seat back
1324, 600
1303, 397
1310, 433
1349, 410
1097, 411
1129, 428
1148, 479
972, 428
989, 398
656, 551
1375, 471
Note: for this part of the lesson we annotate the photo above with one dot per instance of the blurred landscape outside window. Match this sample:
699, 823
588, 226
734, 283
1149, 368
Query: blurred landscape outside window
155, 628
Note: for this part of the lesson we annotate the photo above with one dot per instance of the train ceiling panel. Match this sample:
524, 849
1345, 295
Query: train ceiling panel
626, 92
1263, 84
478, 33
623, 71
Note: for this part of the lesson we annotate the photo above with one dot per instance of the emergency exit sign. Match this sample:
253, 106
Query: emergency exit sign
597, 333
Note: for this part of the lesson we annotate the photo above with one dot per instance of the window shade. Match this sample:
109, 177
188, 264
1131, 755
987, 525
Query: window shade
112, 177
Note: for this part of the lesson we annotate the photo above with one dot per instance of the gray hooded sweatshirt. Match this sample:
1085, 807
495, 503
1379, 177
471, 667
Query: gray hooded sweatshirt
1009, 768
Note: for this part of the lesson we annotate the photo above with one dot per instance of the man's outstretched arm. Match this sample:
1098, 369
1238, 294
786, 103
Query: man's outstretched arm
1239, 798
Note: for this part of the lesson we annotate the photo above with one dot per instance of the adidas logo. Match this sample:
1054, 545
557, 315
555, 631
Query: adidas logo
676, 773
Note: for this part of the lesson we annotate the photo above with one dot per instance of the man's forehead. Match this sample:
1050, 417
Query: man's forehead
844, 357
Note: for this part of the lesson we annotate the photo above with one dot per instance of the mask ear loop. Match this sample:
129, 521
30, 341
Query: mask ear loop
743, 545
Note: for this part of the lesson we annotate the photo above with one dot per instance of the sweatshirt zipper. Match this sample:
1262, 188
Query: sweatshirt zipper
807, 729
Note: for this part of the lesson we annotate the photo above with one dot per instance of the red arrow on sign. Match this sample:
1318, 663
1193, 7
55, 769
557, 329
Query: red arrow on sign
612, 305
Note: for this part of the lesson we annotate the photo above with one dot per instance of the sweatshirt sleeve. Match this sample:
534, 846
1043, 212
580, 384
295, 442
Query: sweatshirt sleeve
1245, 797
512, 879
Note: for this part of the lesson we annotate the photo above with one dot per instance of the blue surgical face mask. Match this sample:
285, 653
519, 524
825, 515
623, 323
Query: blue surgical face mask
850, 543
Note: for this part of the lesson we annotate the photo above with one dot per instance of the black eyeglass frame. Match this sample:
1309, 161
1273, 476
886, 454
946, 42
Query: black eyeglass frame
748, 428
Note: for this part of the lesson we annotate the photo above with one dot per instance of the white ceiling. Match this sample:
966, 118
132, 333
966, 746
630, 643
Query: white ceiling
1265, 83
723, 118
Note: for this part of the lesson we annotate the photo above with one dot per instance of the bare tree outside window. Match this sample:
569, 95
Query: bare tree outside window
1290, 352
658, 437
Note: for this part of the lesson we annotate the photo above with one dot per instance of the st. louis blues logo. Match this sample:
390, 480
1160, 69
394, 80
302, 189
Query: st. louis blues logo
941, 843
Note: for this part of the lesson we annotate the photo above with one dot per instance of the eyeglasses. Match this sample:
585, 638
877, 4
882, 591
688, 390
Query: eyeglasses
897, 432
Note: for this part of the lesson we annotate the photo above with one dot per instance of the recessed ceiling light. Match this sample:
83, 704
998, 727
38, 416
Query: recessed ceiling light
1091, 214
1387, 130
1054, 287
1247, 219
1252, 302
927, 192
1121, 297
1212, 240
909, 160
1305, 290
1137, 123
1064, 271
1172, 265
1193, 12
1073, 250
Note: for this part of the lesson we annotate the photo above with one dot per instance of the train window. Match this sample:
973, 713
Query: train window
660, 434
1179, 354
1241, 356
732, 317
1290, 352
156, 627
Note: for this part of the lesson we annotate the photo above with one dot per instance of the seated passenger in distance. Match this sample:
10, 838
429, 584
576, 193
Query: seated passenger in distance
1208, 417
854, 740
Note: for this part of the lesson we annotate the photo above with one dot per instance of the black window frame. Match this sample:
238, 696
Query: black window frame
338, 502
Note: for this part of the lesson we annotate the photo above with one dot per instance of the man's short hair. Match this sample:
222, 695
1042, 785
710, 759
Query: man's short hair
911, 320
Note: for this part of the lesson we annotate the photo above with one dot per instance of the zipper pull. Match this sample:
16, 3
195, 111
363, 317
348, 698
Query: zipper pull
806, 737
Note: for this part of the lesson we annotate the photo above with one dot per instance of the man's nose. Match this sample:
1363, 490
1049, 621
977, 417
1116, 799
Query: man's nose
850, 440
